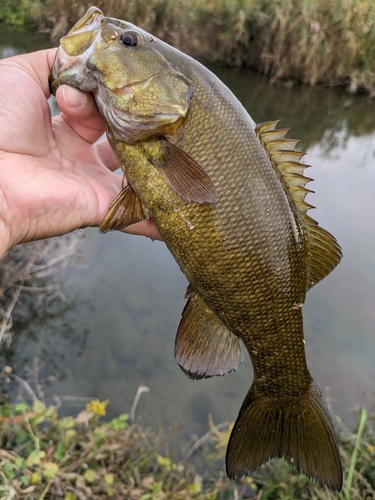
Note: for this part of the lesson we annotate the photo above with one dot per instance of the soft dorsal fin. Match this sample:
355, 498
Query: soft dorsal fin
125, 209
324, 253
204, 346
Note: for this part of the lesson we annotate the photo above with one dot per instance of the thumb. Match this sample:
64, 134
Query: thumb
80, 112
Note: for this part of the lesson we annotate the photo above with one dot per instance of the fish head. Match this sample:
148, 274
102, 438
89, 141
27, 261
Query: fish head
137, 90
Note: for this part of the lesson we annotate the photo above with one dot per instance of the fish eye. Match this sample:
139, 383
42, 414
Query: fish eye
129, 39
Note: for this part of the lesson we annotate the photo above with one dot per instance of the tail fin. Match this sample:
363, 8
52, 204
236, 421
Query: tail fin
298, 429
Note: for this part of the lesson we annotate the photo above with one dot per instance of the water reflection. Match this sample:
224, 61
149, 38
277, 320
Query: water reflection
35, 328
19, 41
325, 116
341, 312
136, 289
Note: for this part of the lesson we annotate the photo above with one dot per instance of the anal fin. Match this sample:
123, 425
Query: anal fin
125, 209
204, 346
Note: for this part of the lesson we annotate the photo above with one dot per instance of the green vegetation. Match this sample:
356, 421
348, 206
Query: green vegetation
44, 456
19, 13
329, 43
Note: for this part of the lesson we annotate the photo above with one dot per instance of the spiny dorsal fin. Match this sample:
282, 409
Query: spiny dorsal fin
263, 127
281, 144
275, 135
324, 253
286, 160
204, 346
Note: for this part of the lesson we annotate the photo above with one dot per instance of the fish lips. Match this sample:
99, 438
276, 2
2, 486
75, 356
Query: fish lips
72, 70
77, 77
69, 67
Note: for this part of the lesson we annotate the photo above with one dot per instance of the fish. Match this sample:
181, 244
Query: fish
228, 197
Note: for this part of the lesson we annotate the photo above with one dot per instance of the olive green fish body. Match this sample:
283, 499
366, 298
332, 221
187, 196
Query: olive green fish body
245, 254
228, 200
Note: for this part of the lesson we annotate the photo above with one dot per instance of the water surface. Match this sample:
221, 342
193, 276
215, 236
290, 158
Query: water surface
115, 328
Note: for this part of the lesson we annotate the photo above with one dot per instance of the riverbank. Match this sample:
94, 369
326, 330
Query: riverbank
44, 456
318, 43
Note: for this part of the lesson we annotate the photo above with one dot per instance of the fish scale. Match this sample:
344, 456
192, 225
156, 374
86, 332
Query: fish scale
228, 198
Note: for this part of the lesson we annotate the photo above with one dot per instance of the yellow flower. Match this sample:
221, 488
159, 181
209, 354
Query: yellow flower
97, 407
70, 496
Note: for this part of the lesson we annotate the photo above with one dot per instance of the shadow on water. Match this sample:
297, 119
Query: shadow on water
136, 289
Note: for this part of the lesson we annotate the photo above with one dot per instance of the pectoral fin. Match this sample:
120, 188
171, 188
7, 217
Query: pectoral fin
184, 175
125, 209
204, 346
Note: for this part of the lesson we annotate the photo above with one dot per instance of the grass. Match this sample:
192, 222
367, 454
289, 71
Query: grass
281, 482
316, 42
44, 456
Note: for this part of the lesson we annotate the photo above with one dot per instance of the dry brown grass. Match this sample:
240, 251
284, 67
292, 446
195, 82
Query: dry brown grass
314, 41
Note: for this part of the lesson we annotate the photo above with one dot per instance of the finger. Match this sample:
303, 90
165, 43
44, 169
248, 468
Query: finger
80, 112
107, 156
145, 228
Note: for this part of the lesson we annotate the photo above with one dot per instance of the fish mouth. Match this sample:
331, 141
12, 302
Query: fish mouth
71, 79
70, 72
72, 65
75, 48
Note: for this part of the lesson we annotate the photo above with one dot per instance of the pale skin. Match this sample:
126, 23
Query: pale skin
53, 178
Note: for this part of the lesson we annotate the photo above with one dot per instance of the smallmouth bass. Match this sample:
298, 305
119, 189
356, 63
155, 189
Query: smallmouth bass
228, 198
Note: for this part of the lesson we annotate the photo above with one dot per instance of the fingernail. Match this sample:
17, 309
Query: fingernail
73, 97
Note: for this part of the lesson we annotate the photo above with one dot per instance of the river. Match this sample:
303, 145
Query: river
112, 328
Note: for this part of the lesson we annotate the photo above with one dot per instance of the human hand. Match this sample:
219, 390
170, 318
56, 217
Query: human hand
53, 179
